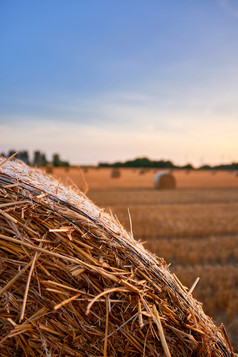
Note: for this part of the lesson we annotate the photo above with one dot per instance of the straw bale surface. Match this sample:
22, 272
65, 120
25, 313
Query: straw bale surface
73, 282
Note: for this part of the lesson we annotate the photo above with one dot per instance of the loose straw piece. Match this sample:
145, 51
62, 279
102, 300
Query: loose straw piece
9, 158
227, 340
124, 324
130, 221
11, 185
8, 216
141, 324
104, 293
74, 260
27, 288
161, 332
60, 229
85, 190
193, 286
56, 307
9, 204
11, 282
106, 327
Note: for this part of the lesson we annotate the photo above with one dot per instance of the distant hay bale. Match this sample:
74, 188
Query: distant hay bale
49, 168
164, 181
141, 171
115, 173
74, 282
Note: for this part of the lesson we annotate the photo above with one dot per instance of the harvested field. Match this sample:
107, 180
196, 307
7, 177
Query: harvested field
195, 228
99, 179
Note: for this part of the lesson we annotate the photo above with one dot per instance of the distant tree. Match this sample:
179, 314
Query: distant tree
118, 164
11, 152
205, 167
188, 167
141, 162
56, 160
44, 160
24, 156
39, 159
64, 163
21, 155
103, 164
233, 166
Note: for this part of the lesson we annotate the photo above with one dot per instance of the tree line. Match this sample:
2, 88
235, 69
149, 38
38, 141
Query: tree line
144, 162
39, 158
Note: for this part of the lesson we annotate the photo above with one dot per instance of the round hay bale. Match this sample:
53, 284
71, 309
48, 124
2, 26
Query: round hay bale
74, 282
115, 173
164, 181
49, 168
141, 171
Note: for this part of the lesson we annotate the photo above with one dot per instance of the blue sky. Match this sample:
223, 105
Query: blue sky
114, 80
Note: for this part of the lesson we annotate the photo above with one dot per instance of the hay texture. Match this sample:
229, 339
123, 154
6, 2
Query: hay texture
75, 283
164, 181
115, 173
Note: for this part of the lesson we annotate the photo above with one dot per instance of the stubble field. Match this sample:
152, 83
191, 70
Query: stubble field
195, 227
